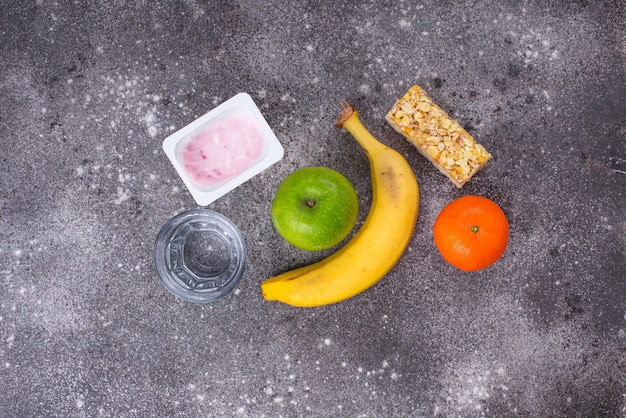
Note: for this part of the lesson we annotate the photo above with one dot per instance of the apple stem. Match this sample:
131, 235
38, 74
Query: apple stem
310, 203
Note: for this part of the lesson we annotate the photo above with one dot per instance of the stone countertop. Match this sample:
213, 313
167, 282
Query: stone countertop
88, 93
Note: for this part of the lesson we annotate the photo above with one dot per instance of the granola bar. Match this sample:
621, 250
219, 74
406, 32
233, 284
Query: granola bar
437, 136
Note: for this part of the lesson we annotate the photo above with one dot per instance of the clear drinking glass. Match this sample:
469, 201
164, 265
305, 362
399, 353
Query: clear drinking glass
200, 255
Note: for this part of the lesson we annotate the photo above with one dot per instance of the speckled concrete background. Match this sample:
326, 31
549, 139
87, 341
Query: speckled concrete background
88, 92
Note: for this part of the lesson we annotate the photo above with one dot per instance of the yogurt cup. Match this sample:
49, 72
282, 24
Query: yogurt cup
223, 149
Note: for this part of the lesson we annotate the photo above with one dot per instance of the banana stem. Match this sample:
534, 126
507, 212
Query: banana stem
349, 120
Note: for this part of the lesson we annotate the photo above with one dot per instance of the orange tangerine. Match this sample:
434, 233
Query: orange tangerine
471, 233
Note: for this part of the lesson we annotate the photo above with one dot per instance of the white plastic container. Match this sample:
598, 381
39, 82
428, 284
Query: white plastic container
223, 149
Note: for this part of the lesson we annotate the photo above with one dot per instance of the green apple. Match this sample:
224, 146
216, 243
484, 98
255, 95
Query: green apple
315, 208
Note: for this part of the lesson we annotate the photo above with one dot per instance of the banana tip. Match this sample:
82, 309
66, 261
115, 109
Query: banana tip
346, 111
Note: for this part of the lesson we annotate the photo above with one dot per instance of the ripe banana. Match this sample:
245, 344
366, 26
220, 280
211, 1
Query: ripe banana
378, 244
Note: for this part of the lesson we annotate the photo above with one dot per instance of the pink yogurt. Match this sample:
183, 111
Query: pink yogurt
223, 150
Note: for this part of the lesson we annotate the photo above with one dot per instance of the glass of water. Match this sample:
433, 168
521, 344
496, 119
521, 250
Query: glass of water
199, 255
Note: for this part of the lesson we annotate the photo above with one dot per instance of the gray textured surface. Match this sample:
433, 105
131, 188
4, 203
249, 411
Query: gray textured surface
88, 92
